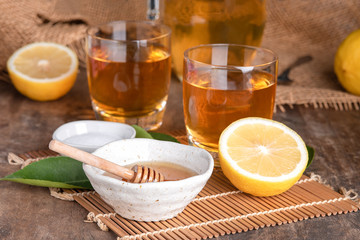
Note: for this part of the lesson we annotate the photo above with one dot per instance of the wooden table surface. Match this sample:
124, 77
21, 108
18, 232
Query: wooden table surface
29, 212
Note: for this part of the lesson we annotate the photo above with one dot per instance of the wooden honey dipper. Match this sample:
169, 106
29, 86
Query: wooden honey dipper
137, 174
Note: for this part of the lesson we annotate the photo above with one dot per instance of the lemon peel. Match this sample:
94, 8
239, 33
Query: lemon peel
347, 63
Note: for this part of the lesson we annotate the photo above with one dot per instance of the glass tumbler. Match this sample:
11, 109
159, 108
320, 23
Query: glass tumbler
223, 83
129, 71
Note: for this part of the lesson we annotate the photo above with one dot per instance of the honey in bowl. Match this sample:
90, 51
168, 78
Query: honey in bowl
171, 171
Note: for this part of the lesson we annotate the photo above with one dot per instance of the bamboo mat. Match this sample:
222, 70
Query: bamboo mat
219, 208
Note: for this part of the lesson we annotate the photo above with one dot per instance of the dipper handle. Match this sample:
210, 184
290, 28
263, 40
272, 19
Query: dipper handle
138, 174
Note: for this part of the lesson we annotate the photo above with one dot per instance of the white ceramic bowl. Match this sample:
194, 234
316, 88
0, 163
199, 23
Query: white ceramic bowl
150, 201
89, 135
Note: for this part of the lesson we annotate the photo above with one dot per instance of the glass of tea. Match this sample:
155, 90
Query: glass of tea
223, 83
129, 71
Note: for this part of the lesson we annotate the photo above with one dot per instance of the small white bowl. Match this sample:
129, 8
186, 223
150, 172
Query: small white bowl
150, 201
89, 135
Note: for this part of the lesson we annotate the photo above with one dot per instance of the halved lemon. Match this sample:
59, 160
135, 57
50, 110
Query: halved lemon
43, 71
262, 157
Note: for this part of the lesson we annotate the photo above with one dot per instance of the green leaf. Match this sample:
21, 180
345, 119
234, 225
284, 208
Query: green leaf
140, 132
60, 172
163, 137
311, 153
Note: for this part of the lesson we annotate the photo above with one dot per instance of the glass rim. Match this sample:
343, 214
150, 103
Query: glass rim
163, 26
266, 63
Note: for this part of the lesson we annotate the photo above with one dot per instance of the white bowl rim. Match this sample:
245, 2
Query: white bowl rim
197, 178
92, 122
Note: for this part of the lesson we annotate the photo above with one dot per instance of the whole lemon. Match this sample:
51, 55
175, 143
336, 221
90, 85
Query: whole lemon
347, 63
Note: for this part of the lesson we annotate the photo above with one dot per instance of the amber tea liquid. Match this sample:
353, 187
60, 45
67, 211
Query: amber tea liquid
208, 21
208, 110
129, 88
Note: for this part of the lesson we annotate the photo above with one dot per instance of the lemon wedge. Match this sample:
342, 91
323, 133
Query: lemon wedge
43, 71
262, 157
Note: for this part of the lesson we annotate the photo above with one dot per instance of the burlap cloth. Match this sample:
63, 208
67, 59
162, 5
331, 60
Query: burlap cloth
294, 28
